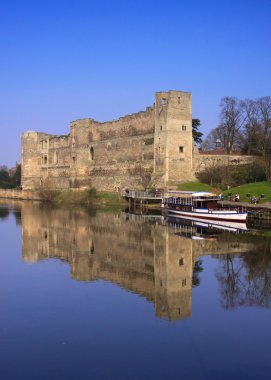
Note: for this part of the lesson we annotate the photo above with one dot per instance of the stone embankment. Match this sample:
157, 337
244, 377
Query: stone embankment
20, 194
255, 211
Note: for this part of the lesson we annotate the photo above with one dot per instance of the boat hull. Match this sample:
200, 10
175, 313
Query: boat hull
211, 215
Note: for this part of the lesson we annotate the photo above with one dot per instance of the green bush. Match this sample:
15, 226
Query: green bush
92, 192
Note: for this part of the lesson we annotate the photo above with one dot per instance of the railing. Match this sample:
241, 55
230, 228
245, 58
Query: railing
141, 194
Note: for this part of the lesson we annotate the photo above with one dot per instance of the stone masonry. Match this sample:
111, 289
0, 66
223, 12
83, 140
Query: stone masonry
154, 147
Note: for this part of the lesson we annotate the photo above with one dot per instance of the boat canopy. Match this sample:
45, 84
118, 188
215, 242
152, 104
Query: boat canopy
190, 194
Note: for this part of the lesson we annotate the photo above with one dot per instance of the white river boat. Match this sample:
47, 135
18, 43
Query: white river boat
201, 205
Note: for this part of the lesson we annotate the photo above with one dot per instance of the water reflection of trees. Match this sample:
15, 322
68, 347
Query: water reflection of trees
4, 213
245, 280
196, 271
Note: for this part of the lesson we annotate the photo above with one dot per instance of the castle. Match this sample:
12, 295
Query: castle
151, 148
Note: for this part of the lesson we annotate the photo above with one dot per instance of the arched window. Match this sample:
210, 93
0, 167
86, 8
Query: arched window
91, 153
45, 160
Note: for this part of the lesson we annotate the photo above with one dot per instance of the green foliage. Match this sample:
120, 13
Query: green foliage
10, 180
86, 197
4, 213
16, 178
92, 192
5, 182
197, 135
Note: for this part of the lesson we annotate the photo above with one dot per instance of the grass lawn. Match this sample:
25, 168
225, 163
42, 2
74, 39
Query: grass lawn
194, 186
254, 189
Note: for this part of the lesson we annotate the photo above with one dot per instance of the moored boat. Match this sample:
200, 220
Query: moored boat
201, 205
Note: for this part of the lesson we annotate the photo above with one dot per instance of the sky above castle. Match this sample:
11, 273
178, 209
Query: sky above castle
67, 59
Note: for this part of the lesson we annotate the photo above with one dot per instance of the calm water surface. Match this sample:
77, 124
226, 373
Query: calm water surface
109, 295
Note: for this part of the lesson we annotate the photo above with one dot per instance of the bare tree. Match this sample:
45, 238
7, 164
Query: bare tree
249, 137
245, 126
231, 120
210, 142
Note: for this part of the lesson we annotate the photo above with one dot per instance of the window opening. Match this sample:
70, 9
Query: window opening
184, 127
181, 262
181, 150
92, 153
92, 248
163, 101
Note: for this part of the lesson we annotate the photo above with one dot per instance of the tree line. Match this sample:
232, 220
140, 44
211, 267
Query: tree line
10, 179
245, 127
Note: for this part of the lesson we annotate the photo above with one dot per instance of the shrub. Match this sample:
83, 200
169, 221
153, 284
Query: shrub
224, 176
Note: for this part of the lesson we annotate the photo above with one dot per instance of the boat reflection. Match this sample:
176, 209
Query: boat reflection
156, 258
205, 226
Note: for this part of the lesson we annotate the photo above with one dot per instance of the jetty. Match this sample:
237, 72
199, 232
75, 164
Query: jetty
144, 199
156, 199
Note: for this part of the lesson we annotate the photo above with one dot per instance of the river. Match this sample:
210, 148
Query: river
104, 294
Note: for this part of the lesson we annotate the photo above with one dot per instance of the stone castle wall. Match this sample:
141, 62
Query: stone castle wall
107, 156
154, 147
202, 161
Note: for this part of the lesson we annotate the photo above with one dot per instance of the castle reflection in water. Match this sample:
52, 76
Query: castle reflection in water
151, 259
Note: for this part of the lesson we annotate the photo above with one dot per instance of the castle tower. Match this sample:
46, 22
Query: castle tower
173, 141
31, 160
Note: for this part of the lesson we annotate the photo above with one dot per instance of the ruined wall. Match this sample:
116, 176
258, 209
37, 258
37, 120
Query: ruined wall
45, 161
107, 156
113, 155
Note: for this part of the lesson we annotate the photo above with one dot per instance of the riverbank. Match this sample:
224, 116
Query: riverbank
20, 194
86, 197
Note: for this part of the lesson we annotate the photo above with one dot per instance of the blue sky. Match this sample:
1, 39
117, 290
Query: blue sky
63, 60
